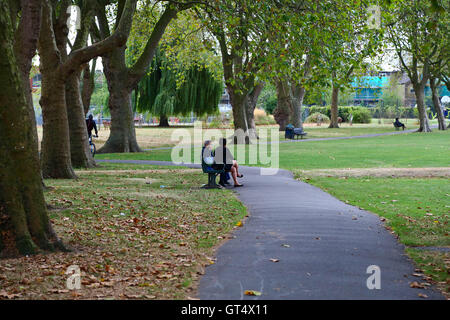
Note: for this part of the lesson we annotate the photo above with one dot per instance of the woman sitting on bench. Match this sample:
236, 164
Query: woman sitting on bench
398, 124
223, 157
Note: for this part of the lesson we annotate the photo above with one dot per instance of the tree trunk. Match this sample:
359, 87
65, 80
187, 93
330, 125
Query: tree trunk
238, 102
298, 93
163, 121
122, 81
284, 110
437, 104
24, 224
334, 108
420, 100
56, 68
250, 105
55, 147
80, 151
122, 136
25, 43
88, 86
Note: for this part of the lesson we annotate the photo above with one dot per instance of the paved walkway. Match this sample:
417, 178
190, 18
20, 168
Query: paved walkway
323, 245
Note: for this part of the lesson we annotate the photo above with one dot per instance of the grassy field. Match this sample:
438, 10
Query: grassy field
153, 137
405, 150
135, 231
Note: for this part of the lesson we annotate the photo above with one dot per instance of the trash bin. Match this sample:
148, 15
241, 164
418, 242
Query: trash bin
289, 132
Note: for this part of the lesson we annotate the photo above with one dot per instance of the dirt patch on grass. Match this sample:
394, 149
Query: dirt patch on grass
379, 172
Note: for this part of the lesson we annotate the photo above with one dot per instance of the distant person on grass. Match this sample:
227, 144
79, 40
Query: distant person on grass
398, 124
90, 124
223, 157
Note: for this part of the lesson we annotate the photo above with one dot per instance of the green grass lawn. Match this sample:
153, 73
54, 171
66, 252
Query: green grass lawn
405, 150
136, 232
418, 210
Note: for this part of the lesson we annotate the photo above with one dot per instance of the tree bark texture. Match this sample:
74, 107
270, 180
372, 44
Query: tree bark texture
24, 224
334, 107
434, 83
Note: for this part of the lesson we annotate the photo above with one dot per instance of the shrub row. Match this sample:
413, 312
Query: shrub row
360, 114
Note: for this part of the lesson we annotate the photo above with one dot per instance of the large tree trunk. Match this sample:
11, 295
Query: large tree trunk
163, 121
420, 100
24, 224
250, 105
284, 110
122, 81
56, 68
88, 86
55, 147
122, 137
80, 152
25, 43
437, 104
238, 102
334, 107
298, 93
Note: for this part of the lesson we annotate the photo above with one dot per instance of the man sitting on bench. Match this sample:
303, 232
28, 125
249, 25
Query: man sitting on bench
223, 157
398, 124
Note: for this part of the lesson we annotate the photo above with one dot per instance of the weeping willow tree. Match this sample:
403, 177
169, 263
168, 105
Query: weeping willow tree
162, 93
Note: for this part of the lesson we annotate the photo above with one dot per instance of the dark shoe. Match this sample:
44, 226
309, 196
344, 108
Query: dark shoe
238, 185
240, 176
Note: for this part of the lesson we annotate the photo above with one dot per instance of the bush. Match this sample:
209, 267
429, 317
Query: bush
261, 118
314, 118
270, 104
392, 112
361, 115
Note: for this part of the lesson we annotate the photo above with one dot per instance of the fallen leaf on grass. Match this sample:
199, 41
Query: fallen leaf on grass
239, 224
4, 294
252, 293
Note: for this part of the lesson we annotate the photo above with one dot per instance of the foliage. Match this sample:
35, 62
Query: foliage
159, 94
262, 118
360, 114
317, 117
393, 111
392, 92
268, 99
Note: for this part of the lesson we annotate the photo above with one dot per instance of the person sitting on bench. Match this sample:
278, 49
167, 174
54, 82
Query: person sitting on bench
223, 157
208, 158
398, 124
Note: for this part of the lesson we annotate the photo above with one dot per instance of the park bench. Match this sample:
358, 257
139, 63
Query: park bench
212, 174
293, 133
398, 126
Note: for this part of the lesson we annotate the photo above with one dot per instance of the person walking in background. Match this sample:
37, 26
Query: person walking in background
91, 125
